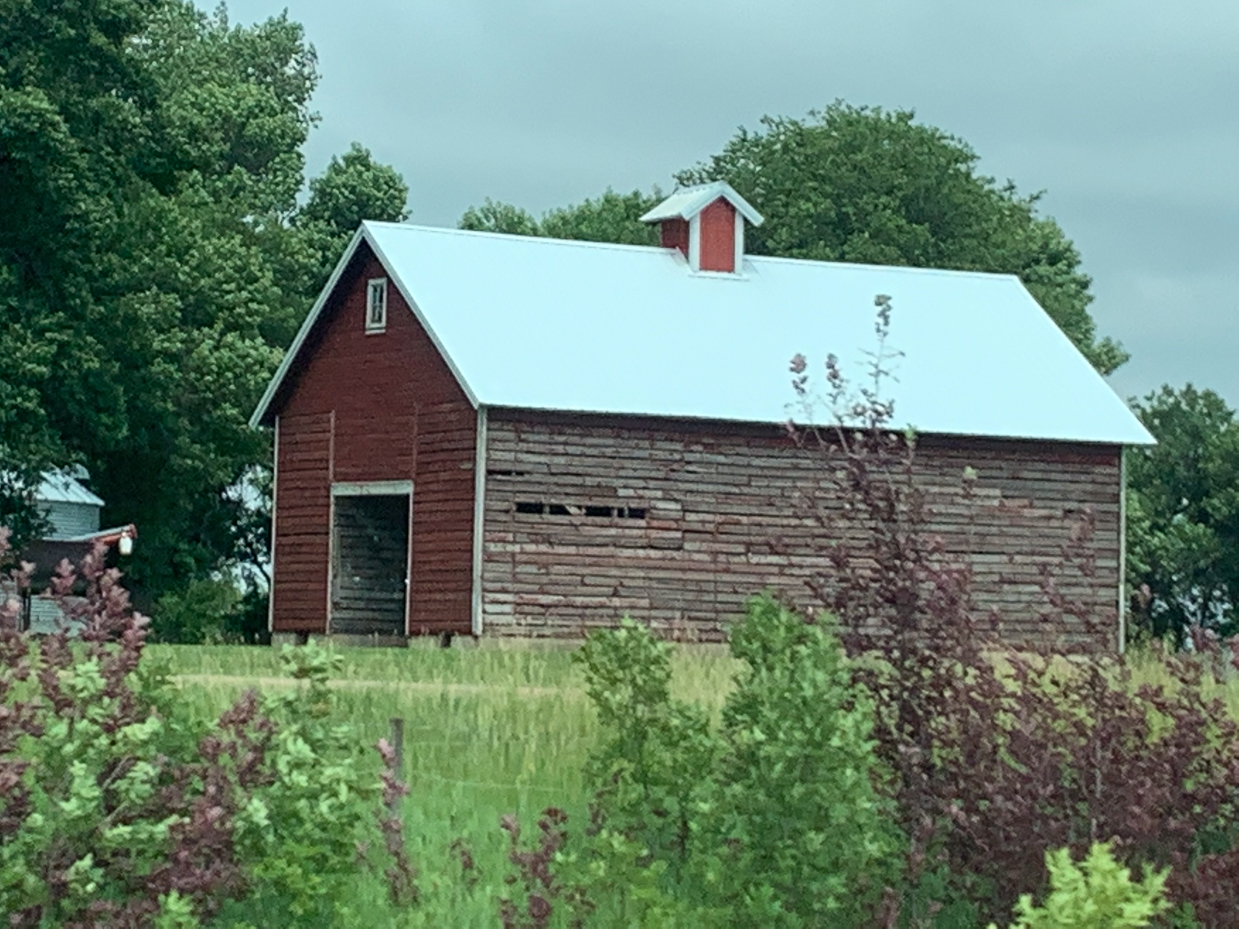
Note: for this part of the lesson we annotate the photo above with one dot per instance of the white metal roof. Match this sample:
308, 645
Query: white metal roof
61, 487
687, 203
589, 327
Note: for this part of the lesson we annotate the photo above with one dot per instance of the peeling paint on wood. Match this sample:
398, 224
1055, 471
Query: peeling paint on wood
726, 519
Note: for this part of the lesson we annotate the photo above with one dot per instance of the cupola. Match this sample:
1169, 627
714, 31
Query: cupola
706, 223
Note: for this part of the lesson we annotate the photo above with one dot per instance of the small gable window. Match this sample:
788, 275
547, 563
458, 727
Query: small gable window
376, 305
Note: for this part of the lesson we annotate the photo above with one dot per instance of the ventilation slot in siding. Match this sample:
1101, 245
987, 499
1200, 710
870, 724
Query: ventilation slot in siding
593, 511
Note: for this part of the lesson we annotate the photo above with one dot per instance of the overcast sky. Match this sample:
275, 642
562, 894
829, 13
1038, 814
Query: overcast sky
1126, 112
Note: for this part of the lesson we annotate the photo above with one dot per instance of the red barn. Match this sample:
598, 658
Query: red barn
482, 434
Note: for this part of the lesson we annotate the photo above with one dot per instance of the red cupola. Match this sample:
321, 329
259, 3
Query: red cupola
706, 224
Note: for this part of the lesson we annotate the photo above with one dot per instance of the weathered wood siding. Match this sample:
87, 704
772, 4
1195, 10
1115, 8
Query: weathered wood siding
677, 525
370, 548
373, 407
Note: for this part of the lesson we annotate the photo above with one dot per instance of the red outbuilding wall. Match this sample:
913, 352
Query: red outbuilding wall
718, 236
373, 407
674, 234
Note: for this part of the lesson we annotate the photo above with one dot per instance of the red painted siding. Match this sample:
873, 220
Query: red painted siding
675, 234
718, 236
373, 407
302, 515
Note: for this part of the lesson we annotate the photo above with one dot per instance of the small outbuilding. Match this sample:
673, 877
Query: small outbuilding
71, 513
481, 434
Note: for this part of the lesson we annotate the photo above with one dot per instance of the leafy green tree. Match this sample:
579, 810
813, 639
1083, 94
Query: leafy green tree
199, 303
613, 217
495, 216
154, 262
353, 188
1183, 514
72, 102
862, 184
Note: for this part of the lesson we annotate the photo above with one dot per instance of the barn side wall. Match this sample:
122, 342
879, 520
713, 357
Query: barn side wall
373, 407
678, 525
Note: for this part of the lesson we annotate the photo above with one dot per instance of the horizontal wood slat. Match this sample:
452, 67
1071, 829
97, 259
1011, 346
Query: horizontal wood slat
302, 513
730, 511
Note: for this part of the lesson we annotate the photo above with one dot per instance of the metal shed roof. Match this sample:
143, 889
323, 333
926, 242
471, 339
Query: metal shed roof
62, 487
588, 327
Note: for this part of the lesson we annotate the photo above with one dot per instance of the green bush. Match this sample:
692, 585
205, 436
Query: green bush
1096, 894
201, 612
304, 820
796, 819
773, 819
652, 770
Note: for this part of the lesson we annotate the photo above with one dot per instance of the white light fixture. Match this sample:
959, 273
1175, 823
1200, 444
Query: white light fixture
126, 544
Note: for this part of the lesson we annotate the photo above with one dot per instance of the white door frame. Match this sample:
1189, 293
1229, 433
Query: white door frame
371, 489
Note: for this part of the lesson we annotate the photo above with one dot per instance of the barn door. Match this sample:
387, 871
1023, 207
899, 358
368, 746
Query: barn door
370, 560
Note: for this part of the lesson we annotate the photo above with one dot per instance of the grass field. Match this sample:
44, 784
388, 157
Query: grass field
488, 731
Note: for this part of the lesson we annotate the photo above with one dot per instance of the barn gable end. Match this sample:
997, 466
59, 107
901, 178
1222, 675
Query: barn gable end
362, 419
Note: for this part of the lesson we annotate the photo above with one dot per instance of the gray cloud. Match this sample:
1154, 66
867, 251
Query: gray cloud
1124, 111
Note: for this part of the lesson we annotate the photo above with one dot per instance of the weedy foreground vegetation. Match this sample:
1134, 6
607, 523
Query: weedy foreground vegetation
624, 783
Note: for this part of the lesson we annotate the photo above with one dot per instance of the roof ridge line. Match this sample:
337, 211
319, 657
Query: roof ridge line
583, 243
658, 249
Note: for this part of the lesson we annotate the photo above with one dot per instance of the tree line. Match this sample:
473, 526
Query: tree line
161, 243
155, 260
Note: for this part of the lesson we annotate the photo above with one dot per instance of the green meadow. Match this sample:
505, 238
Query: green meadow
488, 731
501, 729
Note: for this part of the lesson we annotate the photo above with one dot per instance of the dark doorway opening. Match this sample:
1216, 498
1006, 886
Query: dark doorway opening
370, 565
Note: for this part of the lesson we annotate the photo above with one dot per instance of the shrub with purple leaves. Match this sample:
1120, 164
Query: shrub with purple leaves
995, 754
118, 810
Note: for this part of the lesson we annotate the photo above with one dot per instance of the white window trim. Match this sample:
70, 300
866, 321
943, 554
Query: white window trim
738, 262
1122, 631
479, 523
275, 503
368, 489
371, 326
371, 488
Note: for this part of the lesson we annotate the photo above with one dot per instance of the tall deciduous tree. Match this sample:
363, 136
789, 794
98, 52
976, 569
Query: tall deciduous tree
73, 102
862, 184
613, 217
154, 261
1183, 514
353, 188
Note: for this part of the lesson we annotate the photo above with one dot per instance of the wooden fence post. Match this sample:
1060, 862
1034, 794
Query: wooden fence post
397, 745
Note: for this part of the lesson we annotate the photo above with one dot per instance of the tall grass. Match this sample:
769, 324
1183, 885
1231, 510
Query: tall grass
487, 731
